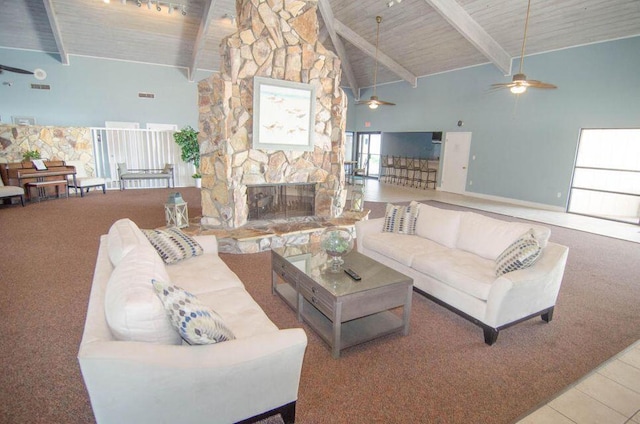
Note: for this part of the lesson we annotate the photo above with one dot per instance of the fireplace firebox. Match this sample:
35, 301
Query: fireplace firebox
276, 201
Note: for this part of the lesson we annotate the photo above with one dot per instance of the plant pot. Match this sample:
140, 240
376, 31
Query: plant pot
198, 182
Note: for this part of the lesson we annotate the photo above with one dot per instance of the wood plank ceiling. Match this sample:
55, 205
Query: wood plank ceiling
417, 37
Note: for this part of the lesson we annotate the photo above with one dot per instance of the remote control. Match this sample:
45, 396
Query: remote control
351, 273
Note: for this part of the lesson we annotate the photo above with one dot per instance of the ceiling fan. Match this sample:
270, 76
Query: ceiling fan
16, 70
373, 101
520, 83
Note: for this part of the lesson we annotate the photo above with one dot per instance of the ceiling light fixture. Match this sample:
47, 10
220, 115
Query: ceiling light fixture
374, 102
519, 82
171, 6
232, 18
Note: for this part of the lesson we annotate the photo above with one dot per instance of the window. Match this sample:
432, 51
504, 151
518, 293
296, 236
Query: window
606, 177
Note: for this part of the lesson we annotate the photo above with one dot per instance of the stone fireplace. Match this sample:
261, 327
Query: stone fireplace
275, 39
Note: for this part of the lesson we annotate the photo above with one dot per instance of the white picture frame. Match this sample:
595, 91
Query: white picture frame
283, 115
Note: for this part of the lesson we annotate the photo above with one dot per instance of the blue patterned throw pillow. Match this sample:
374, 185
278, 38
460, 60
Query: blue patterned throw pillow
521, 254
197, 323
173, 245
401, 219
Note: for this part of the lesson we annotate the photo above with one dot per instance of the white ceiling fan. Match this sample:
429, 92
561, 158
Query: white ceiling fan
373, 101
519, 82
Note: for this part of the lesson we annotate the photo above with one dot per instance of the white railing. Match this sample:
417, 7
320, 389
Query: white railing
139, 149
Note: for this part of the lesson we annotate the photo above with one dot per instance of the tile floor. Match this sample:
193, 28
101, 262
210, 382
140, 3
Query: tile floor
608, 394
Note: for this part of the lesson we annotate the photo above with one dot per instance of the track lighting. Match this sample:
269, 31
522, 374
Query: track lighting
171, 6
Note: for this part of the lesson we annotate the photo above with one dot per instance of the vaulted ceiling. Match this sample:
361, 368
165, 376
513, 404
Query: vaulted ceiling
417, 37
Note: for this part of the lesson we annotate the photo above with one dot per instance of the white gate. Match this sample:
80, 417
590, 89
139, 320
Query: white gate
139, 149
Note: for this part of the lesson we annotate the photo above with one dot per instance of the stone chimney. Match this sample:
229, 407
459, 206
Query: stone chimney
275, 39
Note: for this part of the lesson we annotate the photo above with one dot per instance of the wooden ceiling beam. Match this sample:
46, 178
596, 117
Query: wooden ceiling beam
55, 29
327, 17
370, 50
201, 38
453, 13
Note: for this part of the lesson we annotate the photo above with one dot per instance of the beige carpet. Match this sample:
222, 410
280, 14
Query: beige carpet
442, 372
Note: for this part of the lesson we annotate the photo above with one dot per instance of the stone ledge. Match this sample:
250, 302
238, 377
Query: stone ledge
260, 236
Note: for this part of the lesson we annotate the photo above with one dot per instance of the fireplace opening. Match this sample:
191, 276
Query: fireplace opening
274, 201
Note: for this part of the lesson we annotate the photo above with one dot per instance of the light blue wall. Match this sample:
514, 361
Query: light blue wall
410, 144
524, 147
90, 91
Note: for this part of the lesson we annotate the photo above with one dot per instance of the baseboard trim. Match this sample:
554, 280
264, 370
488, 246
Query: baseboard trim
510, 201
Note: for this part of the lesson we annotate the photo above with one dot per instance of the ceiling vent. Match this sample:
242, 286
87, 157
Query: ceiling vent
147, 95
41, 86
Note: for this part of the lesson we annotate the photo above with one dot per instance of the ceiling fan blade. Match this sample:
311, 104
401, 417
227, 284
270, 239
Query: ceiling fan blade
16, 70
383, 103
540, 84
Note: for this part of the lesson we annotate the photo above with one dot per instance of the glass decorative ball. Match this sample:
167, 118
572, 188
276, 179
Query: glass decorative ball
336, 242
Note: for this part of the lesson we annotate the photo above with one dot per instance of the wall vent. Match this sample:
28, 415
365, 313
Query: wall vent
147, 95
41, 86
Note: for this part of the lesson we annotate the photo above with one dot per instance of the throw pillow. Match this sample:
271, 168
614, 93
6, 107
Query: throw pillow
521, 254
197, 323
173, 245
401, 219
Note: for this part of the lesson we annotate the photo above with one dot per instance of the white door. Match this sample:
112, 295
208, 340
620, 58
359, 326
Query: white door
456, 161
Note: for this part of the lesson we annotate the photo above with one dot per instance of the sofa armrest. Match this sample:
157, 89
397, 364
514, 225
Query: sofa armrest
369, 226
209, 243
231, 381
527, 291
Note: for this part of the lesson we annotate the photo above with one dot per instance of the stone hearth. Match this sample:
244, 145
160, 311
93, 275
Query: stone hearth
275, 39
260, 236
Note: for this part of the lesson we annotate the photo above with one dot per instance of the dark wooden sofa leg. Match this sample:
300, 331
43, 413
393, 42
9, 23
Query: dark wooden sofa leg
490, 335
548, 316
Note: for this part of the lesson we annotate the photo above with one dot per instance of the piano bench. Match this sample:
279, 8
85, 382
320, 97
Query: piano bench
41, 186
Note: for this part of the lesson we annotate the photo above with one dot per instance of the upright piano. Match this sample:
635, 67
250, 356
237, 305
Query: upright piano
21, 173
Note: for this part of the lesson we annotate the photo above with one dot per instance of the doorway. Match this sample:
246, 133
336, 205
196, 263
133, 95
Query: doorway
457, 146
368, 153
606, 176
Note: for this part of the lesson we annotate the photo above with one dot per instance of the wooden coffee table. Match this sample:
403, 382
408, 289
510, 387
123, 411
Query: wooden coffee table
342, 311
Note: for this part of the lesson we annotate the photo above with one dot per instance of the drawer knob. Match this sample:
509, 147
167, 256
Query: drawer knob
313, 299
314, 290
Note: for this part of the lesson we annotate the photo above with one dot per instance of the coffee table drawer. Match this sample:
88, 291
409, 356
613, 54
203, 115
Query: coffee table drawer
317, 297
284, 269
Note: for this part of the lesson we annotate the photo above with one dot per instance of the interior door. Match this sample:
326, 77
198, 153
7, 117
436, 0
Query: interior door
457, 146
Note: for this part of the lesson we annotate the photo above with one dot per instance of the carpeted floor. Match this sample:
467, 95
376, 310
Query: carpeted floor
442, 372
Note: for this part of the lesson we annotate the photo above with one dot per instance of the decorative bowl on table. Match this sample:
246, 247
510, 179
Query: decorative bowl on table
336, 242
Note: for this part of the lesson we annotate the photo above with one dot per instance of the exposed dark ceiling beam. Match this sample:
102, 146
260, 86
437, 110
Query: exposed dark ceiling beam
198, 45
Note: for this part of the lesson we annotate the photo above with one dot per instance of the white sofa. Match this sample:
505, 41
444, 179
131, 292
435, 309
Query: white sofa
136, 367
452, 258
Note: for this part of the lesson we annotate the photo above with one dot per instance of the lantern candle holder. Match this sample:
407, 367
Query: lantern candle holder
176, 212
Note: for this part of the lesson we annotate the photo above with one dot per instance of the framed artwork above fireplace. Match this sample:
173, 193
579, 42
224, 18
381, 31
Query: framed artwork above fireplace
283, 115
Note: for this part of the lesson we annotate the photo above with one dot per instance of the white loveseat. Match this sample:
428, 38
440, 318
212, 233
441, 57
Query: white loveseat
136, 367
452, 259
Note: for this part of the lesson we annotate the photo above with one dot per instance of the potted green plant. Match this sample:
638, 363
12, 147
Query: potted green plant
31, 154
187, 139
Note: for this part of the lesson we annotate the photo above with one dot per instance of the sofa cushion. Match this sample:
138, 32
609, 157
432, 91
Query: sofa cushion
464, 271
202, 274
521, 254
173, 245
439, 225
132, 309
239, 311
124, 235
399, 247
486, 236
401, 219
197, 323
